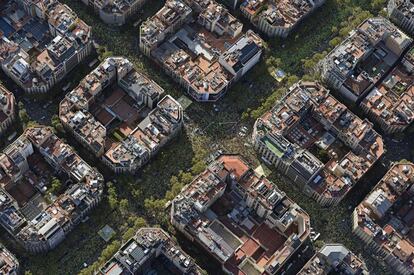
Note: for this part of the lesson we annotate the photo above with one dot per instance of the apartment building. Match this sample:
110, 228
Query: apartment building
383, 220
10, 264
165, 22
278, 18
37, 220
362, 60
401, 12
7, 109
151, 249
201, 46
115, 12
334, 259
315, 141
120, 115
391, 103
40, 42
240, 218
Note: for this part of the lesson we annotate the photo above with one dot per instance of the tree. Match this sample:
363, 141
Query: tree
155, 208
57, 124
112, 196
124, 206
103, 53
24, 117
292, 79
335, 41
135, 223
378, 4
56, 186
323, 155
185, 178
106, 254
319, 244
110, 250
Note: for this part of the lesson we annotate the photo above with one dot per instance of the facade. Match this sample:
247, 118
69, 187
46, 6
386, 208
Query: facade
278, 18
391, 103
334, 259
240, 218
40, 42
356, 65
401, 12
120, 115
201, 46
115, 12
315, 141
10, 264
148, 249
383, 220
27, 168
7, 109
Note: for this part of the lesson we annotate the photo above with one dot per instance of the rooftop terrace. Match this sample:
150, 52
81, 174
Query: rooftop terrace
37, 49
362, 59
278, 17
385, 217
27, 168
242, 219
206, 55
120, 114
10, 265
334, 259
323, 140
139, 255
391, 101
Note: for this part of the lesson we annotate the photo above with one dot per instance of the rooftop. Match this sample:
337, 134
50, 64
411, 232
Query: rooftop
206, 55
29, 50
153, 31
27, 168
334, 259
9, 263
242, 219
137, 254
362, 59
392, 99
319, 133
406, 7
7, 105
284, 13
116, 6
386, 214
120, 114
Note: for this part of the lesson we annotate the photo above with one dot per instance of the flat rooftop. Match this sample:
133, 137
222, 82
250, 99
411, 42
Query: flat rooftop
207, 53
30, 51
386, 215
301, 119
27, 168
7, 105
363, 58
391, 101
283, 14
10, 264
120, 113
140, 254
334, 258
227, 225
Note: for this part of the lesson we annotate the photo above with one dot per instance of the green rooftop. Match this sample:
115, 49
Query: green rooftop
272, 146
